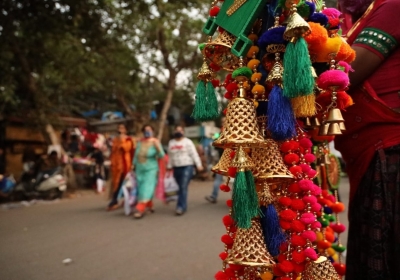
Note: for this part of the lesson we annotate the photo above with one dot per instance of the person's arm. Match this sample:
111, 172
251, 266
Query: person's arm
194, 155
364, 66
169, 164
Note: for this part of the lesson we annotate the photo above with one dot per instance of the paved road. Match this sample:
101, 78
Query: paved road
109, 246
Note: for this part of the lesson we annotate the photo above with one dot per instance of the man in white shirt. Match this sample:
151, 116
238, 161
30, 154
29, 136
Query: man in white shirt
182, 157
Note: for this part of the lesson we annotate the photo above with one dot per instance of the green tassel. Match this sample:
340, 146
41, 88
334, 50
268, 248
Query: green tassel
200, 106
245, 200
297, 76
212, 102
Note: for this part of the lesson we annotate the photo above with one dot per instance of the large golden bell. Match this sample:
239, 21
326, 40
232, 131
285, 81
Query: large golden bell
296, 27
224, 163
219, 51
249, 248
240, 126
269, 164
320, 269
334, 115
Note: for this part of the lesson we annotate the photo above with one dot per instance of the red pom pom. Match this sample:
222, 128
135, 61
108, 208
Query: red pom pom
215, 83
229, 203
285, 201
340, 268
324, 244
298, 257
338, 207
214, 11
309, 158
230, 272
287, 215
215, 67
231, 87
227, 239
223, 255
305, 143
287, 147
284, 224
316, 207
228, 95
298, 204
305, 167
310, 235
338, 228
299, 267
228, 79
220, 275
224, 111
295, 170
298, 240
306, 185
281, 257
227, 220
232, 171
291, 159
286, 266
316, 225
277, 271
225, 188
297, 226
294, 188
232, 154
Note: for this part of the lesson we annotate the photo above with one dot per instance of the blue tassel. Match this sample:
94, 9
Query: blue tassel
281, 120
273, 234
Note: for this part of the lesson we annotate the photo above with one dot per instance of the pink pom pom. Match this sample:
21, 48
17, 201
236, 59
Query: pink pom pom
311, 254
346, 66
311, 173
309, 158
333, 78
310, 235
316, 190
316, 207
310, 199
338, 228
332, 198
305, 143
307, 218
316, 225
305, 167
306, 185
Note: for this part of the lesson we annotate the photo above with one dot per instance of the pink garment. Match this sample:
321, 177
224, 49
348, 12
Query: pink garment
160, 188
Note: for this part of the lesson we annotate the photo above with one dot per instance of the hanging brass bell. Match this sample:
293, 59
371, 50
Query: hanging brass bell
224, 163
275, 75
342, 126
297, 27
323, 129
242, 161
320, 269
335, 115
205, 73
315, 122
307, 122
334, 129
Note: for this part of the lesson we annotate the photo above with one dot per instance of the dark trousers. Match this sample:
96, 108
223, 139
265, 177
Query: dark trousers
114, 199
183, 175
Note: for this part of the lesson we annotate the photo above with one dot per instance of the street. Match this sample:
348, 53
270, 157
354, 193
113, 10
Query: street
102, 245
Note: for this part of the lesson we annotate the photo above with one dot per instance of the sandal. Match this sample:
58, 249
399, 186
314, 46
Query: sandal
138, 215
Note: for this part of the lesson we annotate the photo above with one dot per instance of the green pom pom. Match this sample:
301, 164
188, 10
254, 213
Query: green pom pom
242, 71
339, 248
323, 222
202, 46
303, 10
329, 218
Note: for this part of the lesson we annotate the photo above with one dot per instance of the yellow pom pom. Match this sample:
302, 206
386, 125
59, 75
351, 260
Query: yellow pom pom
335, 257
253, 51
246, 85
320, 236
331, 46
331, 252
253, 64
253, 37
258, 89
267, 276
256, 77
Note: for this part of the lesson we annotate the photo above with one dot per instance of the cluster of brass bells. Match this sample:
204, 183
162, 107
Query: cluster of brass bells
311, 122
333, 125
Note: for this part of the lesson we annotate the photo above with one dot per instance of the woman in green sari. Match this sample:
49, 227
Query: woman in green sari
148, 152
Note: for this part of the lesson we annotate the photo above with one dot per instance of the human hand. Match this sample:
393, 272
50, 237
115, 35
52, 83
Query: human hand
200, 168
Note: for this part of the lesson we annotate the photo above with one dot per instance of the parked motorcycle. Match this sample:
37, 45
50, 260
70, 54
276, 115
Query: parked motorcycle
49, 184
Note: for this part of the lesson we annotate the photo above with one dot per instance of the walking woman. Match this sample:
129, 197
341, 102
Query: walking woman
147, 154
182, 158
371, 143
121, 163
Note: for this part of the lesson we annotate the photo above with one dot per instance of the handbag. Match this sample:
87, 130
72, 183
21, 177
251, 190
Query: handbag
129, 189
171, 188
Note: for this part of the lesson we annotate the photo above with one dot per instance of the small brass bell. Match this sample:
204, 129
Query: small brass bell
335, 115
307, 122
323, 129
315, 122
275, 75
334, 129
205, 72
342, 126
297, 27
